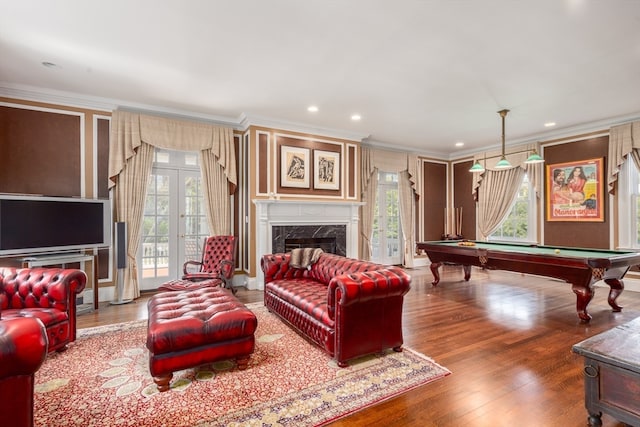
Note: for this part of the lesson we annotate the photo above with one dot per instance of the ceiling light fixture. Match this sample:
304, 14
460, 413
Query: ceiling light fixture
549, 124
503, 163
356, 117
312, 109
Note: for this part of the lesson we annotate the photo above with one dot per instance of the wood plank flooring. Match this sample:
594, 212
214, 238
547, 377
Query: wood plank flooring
506, 337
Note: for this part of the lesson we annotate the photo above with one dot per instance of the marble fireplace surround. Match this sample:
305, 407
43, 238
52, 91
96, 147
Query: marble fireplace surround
278, 213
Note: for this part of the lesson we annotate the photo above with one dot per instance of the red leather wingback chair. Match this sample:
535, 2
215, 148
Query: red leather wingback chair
48, 294
218, 261
23, 348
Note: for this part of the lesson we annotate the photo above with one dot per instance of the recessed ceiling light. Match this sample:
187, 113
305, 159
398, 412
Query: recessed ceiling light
312, 109
49, 64
549, 124
356, 117
459, 144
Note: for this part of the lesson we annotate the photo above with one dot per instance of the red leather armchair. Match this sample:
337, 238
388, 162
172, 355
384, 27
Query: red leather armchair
218, 262
48, 294
23, 348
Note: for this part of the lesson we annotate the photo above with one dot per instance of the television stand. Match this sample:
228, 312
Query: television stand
63, 259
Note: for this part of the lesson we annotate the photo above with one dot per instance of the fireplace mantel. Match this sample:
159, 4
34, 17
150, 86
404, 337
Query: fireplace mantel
301, 212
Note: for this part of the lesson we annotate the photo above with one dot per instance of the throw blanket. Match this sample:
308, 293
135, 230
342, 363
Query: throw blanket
304, 257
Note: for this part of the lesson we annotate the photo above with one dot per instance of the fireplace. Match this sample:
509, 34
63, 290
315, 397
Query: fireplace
330, 237
279, 220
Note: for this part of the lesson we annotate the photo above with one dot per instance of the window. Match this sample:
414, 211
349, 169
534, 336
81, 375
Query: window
519, 225
629, 206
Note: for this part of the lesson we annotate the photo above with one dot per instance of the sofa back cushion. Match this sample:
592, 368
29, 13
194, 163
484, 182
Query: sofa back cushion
33, 287
329, 266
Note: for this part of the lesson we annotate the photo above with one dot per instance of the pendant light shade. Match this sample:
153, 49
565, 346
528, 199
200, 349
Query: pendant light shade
534, 158
503, 163
477, 168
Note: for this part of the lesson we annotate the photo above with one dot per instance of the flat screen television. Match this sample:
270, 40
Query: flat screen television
38, 224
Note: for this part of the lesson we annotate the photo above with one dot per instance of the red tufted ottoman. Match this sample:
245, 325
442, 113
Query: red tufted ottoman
194, 327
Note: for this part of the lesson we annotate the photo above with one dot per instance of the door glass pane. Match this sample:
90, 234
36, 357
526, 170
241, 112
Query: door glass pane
386, 222
393, 220
195, 220
155, 228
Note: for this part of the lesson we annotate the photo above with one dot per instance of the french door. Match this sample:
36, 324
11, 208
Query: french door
386, 242
174, 225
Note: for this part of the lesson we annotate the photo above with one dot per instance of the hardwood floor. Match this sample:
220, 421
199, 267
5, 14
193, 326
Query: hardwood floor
506, 337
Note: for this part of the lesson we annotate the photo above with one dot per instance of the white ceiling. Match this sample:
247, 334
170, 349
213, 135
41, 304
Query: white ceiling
422, 74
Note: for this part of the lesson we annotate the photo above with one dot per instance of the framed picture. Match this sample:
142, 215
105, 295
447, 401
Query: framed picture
575, 191
294, 167
326, 167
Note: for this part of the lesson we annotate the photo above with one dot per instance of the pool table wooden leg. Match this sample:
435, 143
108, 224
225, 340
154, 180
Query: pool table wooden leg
617, 286
584, 295
436, 274
467, 272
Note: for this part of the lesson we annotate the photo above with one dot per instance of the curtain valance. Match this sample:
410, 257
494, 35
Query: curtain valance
623, 140
388, 161
129, 130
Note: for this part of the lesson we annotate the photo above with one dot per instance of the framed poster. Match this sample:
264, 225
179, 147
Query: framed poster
326, 167
575, 191
294, 167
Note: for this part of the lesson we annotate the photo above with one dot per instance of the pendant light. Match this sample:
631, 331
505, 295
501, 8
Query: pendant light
534, 158
503, 162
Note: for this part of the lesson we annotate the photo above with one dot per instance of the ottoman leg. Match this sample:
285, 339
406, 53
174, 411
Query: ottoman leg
163, 381
243, 362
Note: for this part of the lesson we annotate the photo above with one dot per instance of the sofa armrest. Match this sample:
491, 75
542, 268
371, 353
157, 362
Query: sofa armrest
276, 267
40, 287
355, 288
23, 346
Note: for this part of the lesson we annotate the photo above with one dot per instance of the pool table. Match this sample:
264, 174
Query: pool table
580, 267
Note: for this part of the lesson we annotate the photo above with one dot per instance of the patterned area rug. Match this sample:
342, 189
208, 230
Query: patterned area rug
103, 380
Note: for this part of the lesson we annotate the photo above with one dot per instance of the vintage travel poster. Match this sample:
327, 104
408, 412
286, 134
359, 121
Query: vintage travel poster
575, 191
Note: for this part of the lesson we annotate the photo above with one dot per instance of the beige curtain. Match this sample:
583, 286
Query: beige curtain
374, 160
131, 147
369, 180
129, 206
623, 140
408, 215
495, 197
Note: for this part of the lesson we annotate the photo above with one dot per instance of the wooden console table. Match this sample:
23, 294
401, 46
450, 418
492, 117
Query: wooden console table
612, 374
63, 259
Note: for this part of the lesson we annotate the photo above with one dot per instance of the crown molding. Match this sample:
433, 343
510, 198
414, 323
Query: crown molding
247, 120
50, 96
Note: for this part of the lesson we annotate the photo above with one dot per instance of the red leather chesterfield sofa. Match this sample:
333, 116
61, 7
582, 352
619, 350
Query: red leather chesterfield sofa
349, 308
48, 294
23, 348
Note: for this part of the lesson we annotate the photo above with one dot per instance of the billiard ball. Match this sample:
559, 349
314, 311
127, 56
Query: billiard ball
557, 251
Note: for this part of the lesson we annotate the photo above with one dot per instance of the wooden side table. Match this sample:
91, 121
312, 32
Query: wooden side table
612, 374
